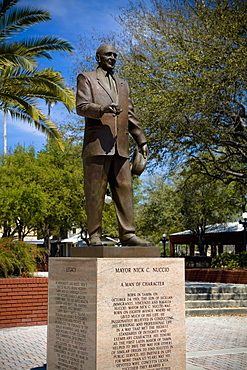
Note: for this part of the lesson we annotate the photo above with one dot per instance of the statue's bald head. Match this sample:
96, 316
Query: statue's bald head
105, 48
106, 56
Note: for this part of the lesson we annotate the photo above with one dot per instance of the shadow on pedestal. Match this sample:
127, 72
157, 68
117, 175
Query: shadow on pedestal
115, 252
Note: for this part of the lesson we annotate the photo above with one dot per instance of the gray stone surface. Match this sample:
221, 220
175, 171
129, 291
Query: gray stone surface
197, 287
216, 343
215, 299
23, 348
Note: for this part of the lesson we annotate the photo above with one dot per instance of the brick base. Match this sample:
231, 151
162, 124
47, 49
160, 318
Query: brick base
216, 276
23, 302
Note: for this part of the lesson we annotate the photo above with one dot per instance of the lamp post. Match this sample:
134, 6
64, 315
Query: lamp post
108, 197
244, 223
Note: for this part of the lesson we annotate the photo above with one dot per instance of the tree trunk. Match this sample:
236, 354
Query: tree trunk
201, 245
46, 236
5, 132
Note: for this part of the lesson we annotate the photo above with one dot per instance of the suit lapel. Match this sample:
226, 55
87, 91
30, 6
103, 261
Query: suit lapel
102, 82
120, 90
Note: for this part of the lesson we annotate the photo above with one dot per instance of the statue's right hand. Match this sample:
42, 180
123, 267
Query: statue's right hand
111, 108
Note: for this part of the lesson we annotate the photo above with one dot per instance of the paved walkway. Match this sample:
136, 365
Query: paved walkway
216, 343
213, 343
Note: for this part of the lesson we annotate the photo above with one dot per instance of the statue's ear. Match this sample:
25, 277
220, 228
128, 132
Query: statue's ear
97, 58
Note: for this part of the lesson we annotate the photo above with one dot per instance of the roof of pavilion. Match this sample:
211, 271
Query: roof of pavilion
230, 233
229, 227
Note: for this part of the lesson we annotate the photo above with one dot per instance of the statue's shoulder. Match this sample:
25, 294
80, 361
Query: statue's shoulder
122, 82
91, 74
120, 79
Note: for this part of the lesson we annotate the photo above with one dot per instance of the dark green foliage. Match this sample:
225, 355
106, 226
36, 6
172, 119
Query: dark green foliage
44, 192
157, 212
186, 65
230, 261
18, 258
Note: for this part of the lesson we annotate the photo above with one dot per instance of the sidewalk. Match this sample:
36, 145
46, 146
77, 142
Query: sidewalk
213, 343
216, 343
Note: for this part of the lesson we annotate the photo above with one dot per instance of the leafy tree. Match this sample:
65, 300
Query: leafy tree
20, 80
187, 201
41, 191
21, 200
157, 212
44, 192
186, 64
61, 179
204, 202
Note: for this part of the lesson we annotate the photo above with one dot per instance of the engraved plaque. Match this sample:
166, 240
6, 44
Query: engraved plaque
72, 314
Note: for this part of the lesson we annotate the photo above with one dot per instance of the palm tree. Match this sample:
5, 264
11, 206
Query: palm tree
20, 89
20, 80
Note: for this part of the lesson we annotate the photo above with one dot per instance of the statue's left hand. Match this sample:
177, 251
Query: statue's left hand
144, 150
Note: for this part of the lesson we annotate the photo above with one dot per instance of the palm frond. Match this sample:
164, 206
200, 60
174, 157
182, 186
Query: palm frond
16, 54
18, 114
11, 71
44, 84
6, 5
9, 60
34, 116
17, 20
54, 81
10, 99
25, 105
21, 83
39, 46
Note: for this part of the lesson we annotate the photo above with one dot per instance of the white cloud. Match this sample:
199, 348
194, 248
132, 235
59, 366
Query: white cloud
23, 128
80, 15
19, 132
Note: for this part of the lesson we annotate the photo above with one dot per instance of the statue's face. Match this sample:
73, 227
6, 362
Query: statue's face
107, 58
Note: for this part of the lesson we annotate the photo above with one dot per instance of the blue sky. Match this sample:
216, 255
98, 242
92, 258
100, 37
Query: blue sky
70, 18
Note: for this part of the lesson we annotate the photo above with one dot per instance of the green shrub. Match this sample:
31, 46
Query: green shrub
230, 261
242, 259
6, 261
17, 258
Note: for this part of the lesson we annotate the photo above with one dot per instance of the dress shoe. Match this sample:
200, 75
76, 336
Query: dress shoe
135, 241
95, 241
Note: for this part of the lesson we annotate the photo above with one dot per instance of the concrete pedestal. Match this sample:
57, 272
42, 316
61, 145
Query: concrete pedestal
116, 313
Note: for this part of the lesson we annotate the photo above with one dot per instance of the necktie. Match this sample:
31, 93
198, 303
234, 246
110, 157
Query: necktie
112, 86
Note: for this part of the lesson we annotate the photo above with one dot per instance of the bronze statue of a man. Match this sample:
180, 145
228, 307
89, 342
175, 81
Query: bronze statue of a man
103, 99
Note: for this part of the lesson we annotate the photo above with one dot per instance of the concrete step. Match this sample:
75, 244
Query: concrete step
216, 303
208, 299
216, 296
191, 287
215, 311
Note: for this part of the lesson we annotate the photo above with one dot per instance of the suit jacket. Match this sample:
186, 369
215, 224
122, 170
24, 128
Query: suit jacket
103, 134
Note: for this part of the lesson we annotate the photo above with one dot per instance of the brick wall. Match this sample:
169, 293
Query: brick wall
216, 276
23, 301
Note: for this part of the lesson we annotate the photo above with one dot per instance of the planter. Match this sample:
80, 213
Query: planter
23, 301
216, 276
